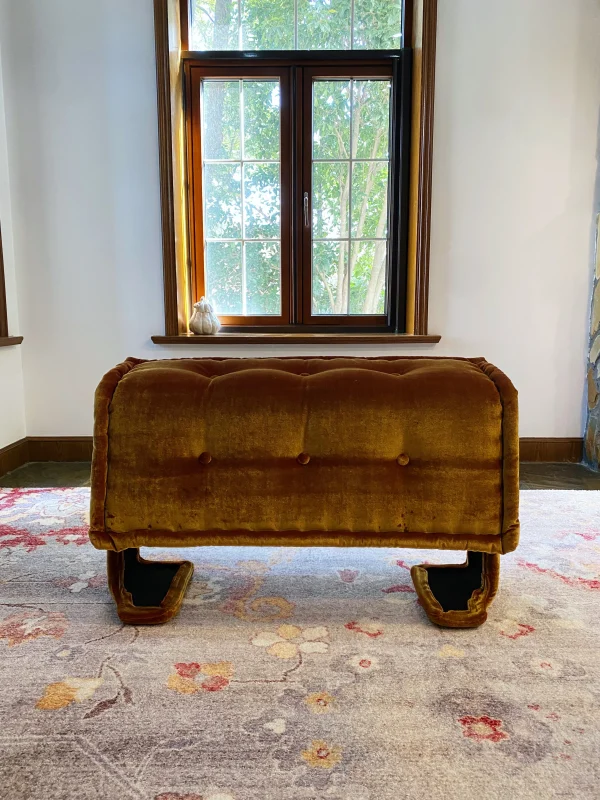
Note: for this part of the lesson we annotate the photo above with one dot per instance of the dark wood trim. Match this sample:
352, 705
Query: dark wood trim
551, 449
407, 22
184, 23
13, 456
59, 448
399, 210
45, 448
297, 255
3, 307
425, 166
296, 338
10, 341
193, 130
278, 57
165, 138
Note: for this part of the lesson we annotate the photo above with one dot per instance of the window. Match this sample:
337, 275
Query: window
5, 339
306, 241
295, 25
297, 204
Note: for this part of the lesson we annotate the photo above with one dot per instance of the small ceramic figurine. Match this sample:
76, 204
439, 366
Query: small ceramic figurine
204, 320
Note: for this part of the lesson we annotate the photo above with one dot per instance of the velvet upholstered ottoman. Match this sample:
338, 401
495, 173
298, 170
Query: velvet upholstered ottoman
361, 452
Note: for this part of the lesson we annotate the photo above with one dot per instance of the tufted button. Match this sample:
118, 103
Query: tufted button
205, 458
303, 459
304, 374
403, 459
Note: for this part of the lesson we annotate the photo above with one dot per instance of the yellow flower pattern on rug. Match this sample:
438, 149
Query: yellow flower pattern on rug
243, 605
191, 678
290, 640
322, 755
320, 703
71, 690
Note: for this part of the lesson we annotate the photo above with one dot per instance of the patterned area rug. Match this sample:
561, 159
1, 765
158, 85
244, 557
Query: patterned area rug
298, 674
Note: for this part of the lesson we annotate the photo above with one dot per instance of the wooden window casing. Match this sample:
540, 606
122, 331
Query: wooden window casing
408, 289
5, 339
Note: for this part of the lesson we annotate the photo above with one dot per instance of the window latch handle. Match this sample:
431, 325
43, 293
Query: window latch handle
306, 215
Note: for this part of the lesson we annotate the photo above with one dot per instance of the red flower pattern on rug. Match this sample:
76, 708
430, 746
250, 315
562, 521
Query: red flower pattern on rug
369, 629
516, 630
29, 625
483, 729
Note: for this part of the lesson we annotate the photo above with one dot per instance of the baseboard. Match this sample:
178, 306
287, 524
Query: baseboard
13, 456
44, 448
60, 448
551, 450
79, 448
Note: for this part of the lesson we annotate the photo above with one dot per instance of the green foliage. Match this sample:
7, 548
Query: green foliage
350, 117
224, 276
321, 24
263, 276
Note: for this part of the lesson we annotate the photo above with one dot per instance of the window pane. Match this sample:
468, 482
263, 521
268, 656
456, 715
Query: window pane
222, 201
215, 25
263, 278
224, 276
331, 119
377, 24
331, 193
329, 277
267, 25
371, 117
221, 119
261, 201
350, 196
369, 199
324, 24
295, 24
241, 190
261, 120
367, 277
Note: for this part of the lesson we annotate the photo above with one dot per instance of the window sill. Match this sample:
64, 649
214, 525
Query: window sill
9, 341
297, 338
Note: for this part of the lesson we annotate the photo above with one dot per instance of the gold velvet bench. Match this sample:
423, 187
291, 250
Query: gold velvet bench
362, 452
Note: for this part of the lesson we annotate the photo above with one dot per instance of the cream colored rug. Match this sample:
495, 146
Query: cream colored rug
298, 674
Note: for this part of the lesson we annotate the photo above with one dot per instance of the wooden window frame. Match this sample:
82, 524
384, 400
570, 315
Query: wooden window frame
171, 32
393, 319
5, 339
194, 74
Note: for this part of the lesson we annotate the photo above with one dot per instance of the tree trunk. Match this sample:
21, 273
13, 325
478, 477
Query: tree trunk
378, 270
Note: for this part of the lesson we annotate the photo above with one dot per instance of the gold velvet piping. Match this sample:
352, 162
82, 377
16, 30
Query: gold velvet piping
104, 540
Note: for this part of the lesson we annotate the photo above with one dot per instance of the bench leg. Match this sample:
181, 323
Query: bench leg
146, 592
458, 595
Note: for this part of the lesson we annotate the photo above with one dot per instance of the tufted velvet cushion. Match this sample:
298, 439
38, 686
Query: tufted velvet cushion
390, 451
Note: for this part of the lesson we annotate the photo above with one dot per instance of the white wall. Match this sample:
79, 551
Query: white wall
518, 88
12, 403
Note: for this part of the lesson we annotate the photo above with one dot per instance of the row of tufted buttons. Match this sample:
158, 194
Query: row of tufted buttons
303, 458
